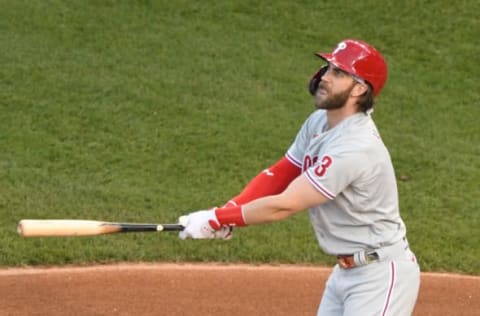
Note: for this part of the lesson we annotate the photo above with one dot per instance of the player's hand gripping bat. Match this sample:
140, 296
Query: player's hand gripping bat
71, 227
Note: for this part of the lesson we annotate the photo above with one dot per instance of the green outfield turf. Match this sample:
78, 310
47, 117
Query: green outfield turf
141, 111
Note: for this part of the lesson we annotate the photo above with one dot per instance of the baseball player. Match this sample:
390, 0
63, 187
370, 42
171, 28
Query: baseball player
339, 169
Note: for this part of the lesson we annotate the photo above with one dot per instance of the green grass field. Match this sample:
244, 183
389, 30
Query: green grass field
142, 111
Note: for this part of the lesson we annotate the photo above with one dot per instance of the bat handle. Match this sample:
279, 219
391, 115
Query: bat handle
171, 227
128, 228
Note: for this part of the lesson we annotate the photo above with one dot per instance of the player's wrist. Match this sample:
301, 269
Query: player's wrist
231, 216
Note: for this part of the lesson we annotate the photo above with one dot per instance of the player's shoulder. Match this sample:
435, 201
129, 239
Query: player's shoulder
315, 121
360, 131
360, 123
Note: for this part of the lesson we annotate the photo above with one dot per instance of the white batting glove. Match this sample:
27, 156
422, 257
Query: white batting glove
203, 225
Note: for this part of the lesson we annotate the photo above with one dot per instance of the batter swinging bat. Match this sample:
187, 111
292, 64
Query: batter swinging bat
71, 227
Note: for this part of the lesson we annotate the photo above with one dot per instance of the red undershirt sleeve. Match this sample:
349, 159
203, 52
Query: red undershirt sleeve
273, 180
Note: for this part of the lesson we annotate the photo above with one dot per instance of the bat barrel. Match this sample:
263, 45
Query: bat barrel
60, 227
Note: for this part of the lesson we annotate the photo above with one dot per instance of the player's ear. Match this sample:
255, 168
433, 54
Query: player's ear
359, 89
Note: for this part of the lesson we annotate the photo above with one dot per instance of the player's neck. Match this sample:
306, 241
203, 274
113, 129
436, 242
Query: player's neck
335, 116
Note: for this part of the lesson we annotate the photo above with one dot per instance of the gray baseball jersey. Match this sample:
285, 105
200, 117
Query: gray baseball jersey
350, 165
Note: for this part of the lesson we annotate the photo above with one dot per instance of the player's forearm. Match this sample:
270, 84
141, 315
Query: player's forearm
264, 210
268, 209
299, 196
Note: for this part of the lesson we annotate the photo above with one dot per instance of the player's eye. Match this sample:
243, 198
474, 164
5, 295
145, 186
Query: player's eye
337, 72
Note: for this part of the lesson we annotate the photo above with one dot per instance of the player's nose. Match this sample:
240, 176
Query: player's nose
327, 75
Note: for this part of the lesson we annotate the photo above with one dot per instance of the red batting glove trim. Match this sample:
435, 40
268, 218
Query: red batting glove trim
231, 216
230, 203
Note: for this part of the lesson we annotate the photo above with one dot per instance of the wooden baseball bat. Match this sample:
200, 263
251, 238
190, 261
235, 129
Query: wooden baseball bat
75, 227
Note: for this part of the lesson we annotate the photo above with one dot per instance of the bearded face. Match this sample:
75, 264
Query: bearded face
328, 100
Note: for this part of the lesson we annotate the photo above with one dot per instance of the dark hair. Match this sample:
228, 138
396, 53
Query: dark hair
366, 100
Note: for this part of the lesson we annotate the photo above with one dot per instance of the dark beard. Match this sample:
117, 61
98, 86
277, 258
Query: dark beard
336, 101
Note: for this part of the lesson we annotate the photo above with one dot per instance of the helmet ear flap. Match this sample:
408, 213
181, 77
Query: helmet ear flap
317, 77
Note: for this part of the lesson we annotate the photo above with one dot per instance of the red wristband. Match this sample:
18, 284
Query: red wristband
230, 203
232, 216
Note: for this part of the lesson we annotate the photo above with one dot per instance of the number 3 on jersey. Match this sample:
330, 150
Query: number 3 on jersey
321, 169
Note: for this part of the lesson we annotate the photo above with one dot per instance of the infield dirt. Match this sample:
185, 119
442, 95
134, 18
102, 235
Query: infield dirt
200, 289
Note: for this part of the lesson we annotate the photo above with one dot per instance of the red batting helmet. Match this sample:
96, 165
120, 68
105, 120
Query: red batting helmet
361, 60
